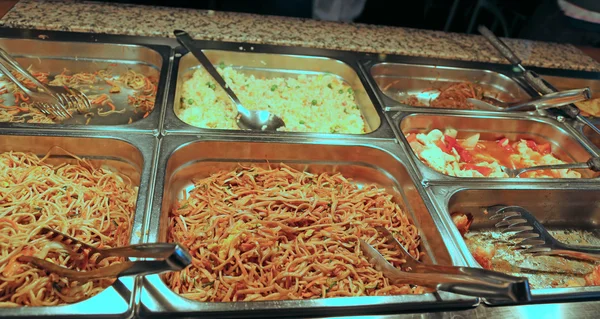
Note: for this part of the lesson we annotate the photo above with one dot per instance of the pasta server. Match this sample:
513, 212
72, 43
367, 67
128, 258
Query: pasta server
246, 119
592, 164
174, 258
534, 237
546, 101
468, 281
50, 100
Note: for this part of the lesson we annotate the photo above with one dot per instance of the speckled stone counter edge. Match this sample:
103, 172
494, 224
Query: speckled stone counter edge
110, 18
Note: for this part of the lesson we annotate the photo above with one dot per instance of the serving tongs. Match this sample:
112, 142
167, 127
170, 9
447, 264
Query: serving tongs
544, 102
173, 258
461, 280
534, 237
50, 100
533, 78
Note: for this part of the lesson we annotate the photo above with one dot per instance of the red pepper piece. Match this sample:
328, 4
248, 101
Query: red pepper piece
485, 171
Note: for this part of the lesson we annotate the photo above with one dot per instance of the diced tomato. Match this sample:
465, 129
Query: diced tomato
532, 145
485, 171
465, 156
593, 278
450, 141
411, 137
443, 147
462, 222
544, 148
505, 144
484, 255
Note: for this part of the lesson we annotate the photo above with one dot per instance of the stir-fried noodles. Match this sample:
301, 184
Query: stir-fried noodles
140, 93
272, 234
94, 205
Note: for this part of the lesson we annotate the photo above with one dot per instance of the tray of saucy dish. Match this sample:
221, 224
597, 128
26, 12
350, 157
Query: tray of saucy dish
92, 188
123, 82
569, 213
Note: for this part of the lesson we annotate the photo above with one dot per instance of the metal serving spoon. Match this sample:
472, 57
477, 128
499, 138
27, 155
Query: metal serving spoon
556, 99
592, 164
246, 119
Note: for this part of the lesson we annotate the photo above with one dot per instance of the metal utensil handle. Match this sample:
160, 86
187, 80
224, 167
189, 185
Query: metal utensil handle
556, 166
463, 284
554, 99
14, 79
158, 250
420, 267
516, 292
484, 274
594, 163
577, 252
186, 40
545, 88
499, 45
14, 64
538, 83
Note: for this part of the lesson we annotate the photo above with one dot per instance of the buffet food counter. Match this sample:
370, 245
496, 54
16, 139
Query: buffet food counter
272, 219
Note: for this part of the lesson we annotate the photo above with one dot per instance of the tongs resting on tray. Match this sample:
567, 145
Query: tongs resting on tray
538, 83
461, 280
174, 258
50, 100
534, 237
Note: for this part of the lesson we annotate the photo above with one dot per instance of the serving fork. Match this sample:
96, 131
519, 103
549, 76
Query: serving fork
592, 164
50, 100
534, 237
174, 258
468, 281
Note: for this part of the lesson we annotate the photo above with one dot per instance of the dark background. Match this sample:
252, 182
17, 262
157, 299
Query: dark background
528, 19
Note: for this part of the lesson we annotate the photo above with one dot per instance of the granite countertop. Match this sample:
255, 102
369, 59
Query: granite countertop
110, 18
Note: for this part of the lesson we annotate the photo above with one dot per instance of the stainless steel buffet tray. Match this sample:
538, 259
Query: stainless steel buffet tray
381, 156
184, 157
132, 156
567, 206
267, 62
492, 126
399, 81
55, 56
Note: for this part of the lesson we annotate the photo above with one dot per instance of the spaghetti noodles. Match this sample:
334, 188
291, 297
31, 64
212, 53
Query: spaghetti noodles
272, 234
92, 204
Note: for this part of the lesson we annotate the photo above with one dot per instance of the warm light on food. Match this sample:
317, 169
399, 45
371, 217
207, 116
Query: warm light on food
278, 233
100, 87
473, 157
590, 107
493, 250
94, 205
319, 104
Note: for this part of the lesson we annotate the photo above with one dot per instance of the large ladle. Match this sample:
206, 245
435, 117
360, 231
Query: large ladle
246, 119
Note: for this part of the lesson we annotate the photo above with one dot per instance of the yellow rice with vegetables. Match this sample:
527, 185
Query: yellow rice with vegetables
319, 104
